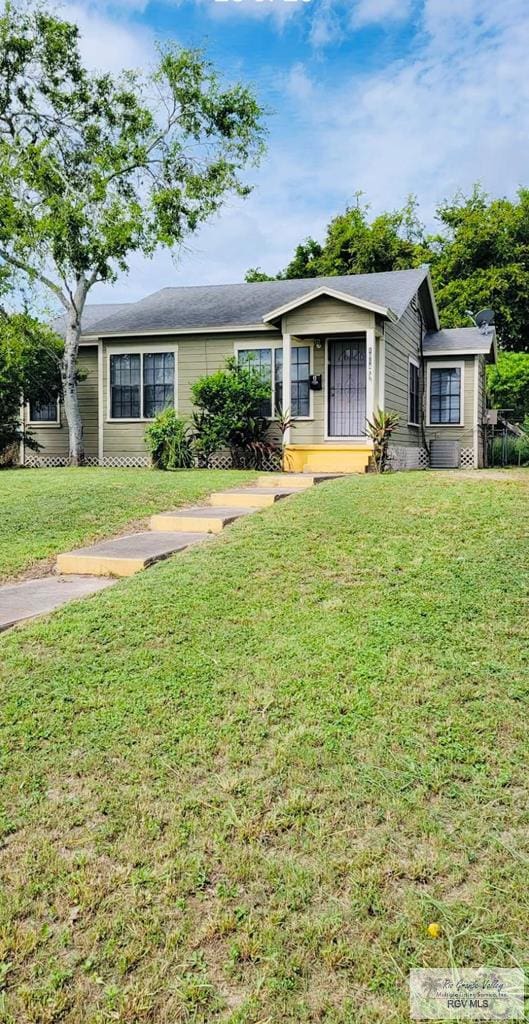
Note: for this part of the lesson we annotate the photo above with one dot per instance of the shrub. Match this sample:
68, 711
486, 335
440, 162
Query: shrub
208, 436
380, 429
229, 404
508, 384
30, 356
169, 441
504, 451
522, 450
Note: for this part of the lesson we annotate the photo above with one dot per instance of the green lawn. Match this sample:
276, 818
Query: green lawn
45, 511
238, 787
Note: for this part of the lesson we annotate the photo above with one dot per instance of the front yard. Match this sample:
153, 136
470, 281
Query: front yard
45, 511
239, 787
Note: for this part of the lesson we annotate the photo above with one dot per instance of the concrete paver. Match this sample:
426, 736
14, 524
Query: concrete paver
124, 556
19, 601
203, 520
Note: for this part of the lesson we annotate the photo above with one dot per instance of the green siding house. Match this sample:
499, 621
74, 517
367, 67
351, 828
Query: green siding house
339, 348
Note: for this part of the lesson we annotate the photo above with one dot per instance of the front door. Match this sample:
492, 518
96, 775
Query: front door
346, 377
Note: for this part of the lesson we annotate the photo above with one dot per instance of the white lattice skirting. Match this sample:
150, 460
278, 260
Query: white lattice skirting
35, 461
222, 460
467, 458
402, 457
126, 461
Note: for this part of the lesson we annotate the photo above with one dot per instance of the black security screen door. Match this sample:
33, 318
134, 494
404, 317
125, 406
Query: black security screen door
347, 387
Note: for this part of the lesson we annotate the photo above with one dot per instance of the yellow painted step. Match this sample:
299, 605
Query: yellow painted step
90, 565
337, 462
198, 520
250, 497
285, 480
124, 556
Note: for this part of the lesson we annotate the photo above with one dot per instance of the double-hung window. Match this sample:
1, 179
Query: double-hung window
270, 364
299, 376
44, 412
141, 384
413, 393
259, 359
445, 395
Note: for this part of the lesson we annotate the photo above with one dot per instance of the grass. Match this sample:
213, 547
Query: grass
45, 511
238, 788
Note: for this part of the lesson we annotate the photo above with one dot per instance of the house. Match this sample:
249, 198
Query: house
341, 347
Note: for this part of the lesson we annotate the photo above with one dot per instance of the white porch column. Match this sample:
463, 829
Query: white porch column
381, 371
100, 404
370, 373
287, 374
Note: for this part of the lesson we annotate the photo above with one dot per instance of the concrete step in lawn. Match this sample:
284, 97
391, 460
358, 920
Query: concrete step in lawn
251, 497
199, 519
296, 481
80, 572
20, 601
126, 555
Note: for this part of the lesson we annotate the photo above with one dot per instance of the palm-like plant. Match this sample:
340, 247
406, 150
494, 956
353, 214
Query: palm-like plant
380, 429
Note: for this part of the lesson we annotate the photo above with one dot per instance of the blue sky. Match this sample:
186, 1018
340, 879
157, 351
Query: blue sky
384, 96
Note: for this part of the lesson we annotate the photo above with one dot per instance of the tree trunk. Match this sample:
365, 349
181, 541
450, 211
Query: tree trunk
69, 376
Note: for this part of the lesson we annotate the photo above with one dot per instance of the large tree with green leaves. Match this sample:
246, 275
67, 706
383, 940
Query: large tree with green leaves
95, 168
508, 384
354, 244
479, 256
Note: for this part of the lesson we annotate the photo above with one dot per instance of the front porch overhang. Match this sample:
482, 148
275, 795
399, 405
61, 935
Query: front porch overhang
351, 300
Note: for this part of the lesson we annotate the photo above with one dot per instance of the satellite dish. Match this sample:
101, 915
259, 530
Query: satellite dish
484, 319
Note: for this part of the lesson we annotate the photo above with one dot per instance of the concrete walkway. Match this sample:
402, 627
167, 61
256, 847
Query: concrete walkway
89, 569
19, 601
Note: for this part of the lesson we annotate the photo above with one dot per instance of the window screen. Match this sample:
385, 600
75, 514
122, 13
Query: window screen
413, 411
300, 373
158, 382
125, 376
46, 412
445, 395
259, 359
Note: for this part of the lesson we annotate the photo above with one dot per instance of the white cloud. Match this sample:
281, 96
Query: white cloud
453, 112
278, 11
109, 43
367, 12
326, 26
299, 84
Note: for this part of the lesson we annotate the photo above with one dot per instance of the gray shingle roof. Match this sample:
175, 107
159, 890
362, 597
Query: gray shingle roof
458, 339
93, 312
239, 305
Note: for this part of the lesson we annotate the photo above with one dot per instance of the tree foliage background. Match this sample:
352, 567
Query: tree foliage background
479, 256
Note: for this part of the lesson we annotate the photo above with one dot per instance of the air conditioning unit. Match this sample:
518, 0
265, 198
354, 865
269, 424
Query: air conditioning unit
445, 454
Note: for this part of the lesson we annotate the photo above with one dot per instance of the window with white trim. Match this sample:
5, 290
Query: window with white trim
259, 359
445, 395
142, 384
270, 363
299, 377
44, 412
413, 393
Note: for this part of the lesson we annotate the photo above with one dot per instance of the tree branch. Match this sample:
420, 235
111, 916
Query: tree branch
31, 272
